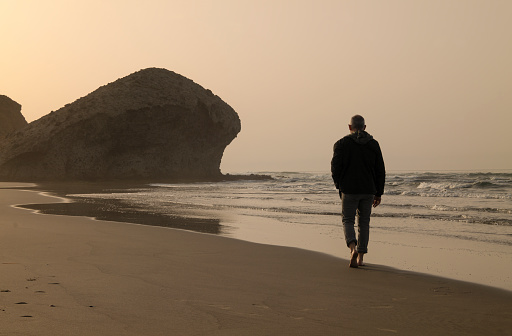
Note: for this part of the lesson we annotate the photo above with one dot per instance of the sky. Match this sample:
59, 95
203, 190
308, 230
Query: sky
433, 78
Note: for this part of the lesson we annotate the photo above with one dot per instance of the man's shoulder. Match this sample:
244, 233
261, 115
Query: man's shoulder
342, 140
374, 142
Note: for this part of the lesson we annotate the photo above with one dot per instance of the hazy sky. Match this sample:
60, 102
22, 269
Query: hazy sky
433, 78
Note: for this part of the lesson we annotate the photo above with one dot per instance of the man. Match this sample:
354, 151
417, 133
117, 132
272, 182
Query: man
358, 172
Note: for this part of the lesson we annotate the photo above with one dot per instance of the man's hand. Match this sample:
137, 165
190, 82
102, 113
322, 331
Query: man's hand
376, 201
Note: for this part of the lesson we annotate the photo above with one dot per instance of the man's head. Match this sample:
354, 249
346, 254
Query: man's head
357, 123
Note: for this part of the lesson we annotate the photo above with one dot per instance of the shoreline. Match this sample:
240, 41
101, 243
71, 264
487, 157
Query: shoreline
419, 254
82, 276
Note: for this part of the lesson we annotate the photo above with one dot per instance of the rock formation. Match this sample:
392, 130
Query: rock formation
11, 118
152, 124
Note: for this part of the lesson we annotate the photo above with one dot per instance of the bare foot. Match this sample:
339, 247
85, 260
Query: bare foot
360, 259
353, 258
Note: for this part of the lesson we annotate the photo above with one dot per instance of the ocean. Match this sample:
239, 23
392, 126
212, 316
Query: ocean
452, 224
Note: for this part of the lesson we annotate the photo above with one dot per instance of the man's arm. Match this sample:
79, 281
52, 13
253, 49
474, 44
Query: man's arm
336, 163
380, 173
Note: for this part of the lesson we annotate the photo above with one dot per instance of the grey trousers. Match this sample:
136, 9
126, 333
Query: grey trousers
359, 205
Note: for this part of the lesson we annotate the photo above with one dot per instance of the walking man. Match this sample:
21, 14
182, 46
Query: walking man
358, 172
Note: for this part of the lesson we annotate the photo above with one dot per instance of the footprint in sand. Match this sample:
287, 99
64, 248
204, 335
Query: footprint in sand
223, 307
388, 330
443, 290
312, 309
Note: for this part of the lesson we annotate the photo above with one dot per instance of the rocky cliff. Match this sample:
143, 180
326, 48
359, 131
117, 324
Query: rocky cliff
152, 124
11, 118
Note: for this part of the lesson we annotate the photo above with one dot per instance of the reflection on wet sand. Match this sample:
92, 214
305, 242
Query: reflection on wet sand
116, 210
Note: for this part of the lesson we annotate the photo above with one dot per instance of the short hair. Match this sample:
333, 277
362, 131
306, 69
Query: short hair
357, 122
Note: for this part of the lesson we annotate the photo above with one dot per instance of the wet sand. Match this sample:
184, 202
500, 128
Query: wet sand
73, 275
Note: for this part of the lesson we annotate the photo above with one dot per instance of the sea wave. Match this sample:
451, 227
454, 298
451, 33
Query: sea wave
443, 213
442, 207
444, 193
459, 197
462, 218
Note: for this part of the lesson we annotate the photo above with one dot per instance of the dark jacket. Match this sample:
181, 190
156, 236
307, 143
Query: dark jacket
357, 165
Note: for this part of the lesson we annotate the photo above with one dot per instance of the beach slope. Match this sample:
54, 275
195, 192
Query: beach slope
63, 275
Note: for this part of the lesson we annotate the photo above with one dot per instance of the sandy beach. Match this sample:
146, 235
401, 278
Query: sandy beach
62, 275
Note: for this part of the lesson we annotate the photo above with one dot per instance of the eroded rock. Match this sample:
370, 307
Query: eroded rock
11, 118
152, 124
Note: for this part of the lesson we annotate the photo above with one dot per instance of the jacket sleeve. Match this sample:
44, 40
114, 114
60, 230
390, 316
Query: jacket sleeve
336, 163
380, 172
